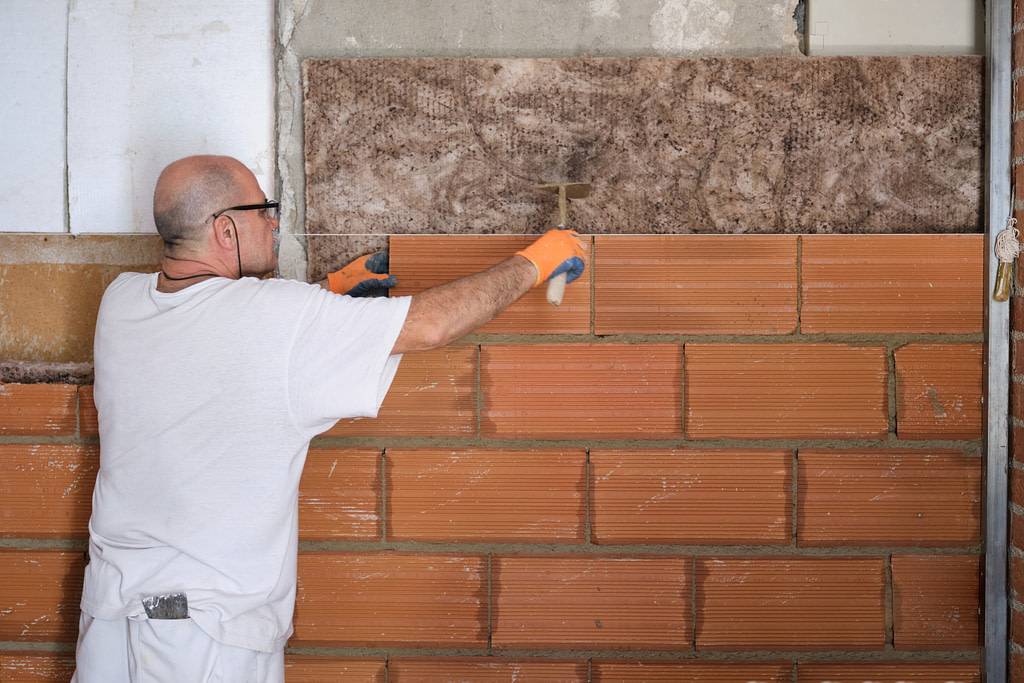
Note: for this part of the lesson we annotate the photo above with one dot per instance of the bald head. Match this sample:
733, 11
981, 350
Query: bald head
189, 191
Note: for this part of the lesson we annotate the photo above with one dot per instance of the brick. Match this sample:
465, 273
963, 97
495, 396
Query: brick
390, 599
339, 495
936, 602
800, 391
40, 590
892, 283
484, 670
434, 394
467, 495
888, 497
591, 603
1018, 126
889, 672
317, 669
47, 490
1016, 478
1016, 582
422, 261
1016, 530
618, 671
691, 496
564, 391
794, 603
36, 667
38, 410
1016, 626
695, 284
939, 391
88, 419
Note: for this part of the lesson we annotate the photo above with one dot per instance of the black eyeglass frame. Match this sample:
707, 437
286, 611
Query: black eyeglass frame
248, 207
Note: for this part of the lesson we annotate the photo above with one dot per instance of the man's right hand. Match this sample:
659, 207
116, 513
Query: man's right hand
558, 251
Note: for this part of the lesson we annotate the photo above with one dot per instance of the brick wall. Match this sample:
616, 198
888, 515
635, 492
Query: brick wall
722, 458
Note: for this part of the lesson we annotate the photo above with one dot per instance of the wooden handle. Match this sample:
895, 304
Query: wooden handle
556, 289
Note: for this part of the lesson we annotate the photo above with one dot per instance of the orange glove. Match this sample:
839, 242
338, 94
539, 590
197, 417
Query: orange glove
558, 251
366, 276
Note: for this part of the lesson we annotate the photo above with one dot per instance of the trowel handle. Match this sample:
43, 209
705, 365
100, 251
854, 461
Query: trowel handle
556, 289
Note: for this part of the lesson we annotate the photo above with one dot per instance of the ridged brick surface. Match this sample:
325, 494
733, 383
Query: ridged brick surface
47, 490
39, 593
88, 420
36, 667
38, 410
764, 391
888, 497
936, 602
691, 496
695, 284
562, 391
339, 495
313, 669
939, 391
434, 394
467, 495
889, 672
892, 283
485, 670
610, 671
570, 602
422, 261
386, 599
795, 603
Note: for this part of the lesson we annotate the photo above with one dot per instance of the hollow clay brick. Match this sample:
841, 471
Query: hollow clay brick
88, 420
433, 395
939, 391
559, 602
339, 495
390, 599
896, 497
322, 669
936, 602
47, 490
38, 409
484, 670
422, 261
480, 495
695, 284
563, 391
691, 496
889, 672
798, 391
618, 671
886, 284
36, 667
790, 603
40, 590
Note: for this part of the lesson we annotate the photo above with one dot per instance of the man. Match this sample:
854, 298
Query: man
210, 384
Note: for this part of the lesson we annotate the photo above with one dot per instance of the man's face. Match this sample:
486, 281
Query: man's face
257, 241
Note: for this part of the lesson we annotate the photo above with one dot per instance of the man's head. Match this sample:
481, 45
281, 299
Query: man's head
191, 209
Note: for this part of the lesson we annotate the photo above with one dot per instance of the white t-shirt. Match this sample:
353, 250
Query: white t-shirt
207, 401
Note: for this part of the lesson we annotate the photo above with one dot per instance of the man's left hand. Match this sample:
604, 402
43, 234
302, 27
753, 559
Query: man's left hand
366, 276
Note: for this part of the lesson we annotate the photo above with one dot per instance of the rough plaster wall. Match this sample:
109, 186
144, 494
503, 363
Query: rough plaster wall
493, 28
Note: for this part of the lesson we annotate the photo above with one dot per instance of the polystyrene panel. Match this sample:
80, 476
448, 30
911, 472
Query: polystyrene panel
32, 115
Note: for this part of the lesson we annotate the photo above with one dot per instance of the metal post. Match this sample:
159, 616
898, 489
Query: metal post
999, 23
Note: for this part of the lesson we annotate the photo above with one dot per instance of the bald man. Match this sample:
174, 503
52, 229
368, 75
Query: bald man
210, 384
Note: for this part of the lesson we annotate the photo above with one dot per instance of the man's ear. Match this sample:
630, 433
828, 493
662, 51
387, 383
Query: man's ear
224, 233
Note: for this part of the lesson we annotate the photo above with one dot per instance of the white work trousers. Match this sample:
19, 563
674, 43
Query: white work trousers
140, 650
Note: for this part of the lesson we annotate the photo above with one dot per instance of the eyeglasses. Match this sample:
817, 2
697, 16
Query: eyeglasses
268, 208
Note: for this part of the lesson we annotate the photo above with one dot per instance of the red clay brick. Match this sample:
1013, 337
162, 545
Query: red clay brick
936, 601
315, 669
466, 495
691, 496
47, 490
764, 391
792, 603
36, 667
1017, 579
695, 284
1016, 626
38, 409
339, 495
88, 420
892, 283
40, 591
591, 603
388, 599
889, 672
422, 261
484, 670
619, 671
433, 395
938, 391
888, 497
563, 391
